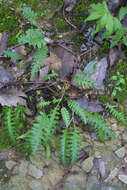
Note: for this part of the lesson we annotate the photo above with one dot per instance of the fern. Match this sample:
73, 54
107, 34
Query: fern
29, 14
12, 122
98, 123
85, 81
12, 54
65, 116
70, 146
64, 147
118, 114
33, 37
74, 145
105, 20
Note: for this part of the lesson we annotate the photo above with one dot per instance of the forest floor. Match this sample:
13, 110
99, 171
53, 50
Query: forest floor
71, 51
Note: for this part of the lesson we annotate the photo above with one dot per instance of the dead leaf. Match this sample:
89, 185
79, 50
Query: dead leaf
54, 62
112, 175
99, 74
12, 97
99, 166
68, 60
70, 4
5, 77
114, 54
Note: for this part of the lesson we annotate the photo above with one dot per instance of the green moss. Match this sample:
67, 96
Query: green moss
61, 24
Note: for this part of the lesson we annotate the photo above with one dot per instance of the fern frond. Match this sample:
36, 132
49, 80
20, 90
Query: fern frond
64, 147
74, 145
95, 119
85, 81
29, 14
33, 37
76, 108
65, 116
12, 54
43, 104
118, 114
39, 58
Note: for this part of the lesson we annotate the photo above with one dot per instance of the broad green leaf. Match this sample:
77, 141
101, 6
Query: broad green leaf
125, 40
122, 13
94, 16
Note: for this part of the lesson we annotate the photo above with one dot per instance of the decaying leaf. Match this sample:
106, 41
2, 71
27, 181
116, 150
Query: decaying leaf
5, 77
114, 54
68, 60
12, 97
54, 62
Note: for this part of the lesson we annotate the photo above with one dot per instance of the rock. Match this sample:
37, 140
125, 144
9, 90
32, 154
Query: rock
75, 182
120, 152
87, 164
10, 164
21, 169
53, 177
35, 185
123, 178
34, 172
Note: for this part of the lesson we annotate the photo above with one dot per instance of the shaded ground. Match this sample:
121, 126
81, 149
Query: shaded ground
103, 165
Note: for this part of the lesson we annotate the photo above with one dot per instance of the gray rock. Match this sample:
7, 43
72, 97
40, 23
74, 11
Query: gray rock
87, 164
10, 164
123, 178
34, 172
120, 152
35, 185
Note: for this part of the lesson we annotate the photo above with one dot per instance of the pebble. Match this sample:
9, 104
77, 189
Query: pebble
120, 152
10, 164
87, 164
34, 172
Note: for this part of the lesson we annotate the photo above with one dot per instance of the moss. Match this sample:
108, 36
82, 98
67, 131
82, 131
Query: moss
105, 47
61, 24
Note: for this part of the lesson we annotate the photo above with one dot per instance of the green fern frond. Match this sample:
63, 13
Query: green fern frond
33, 37
12, 122
39, 58
95, 119
64, 147
76, 108
29, 14
43, 104
65, 116
12, 54
85, 81
74, 145
118, 114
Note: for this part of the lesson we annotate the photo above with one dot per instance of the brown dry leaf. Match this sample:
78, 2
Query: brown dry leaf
112, 175
12, 97
20, 50
68, 60
113, 55
54, 62
70, 4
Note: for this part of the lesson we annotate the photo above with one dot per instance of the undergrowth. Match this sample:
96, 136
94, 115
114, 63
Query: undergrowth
47, 123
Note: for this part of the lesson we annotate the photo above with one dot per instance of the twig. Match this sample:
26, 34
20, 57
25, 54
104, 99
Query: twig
72, 25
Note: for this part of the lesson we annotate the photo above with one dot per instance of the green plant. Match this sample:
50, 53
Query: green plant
12, 123
35, 38
119, 85
119, 114
111, 24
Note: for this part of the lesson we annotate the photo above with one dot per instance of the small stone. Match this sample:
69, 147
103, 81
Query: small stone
35, 185
10, 164
97, 154
34, 172
120, 152
87, 164
123, 178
